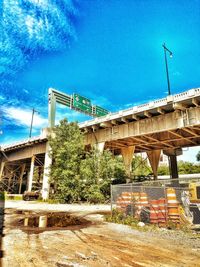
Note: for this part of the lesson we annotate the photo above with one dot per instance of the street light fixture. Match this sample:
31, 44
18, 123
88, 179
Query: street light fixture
170, 54
33, 112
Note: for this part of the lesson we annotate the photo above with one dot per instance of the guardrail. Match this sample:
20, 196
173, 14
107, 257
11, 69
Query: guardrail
22, 142
144, 107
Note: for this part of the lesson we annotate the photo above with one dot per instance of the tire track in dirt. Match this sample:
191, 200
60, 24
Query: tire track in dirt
96, 245
142, 254
107, 249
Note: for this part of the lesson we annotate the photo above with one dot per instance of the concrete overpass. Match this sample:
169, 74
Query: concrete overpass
20, 162
166, 124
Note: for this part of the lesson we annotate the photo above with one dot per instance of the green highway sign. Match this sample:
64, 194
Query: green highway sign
82, 103
100, 111
75, 101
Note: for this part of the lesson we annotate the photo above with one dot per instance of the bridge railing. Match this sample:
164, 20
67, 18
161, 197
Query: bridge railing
146, 106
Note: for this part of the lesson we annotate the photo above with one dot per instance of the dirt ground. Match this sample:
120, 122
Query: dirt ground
86, 240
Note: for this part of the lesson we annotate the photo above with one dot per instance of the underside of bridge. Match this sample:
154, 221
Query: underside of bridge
166, 125
16, 175
167, 130
169, 143
172, 139
22, 166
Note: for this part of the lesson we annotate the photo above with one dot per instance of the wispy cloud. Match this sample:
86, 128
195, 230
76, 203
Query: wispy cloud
22, 117
30, 28
176, 73
2, 98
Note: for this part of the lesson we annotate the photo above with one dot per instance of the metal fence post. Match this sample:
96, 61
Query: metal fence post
165, 194
132, 199
111, 199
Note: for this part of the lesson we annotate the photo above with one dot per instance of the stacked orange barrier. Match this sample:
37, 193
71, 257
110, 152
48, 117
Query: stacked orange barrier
154, 209
143, 199
135, 197
124, 200
127, 197
141, 202
162, 212
173, 206
121, 206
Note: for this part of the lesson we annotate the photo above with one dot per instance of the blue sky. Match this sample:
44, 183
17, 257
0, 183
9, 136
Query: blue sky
110, 51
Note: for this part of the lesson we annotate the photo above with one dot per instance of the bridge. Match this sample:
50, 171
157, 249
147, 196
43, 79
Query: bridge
166, 124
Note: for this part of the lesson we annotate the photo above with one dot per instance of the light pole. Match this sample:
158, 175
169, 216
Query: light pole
33, 112
170, 54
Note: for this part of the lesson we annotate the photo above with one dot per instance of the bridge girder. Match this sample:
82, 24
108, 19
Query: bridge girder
172, 130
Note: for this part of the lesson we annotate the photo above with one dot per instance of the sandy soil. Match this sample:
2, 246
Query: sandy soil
91, 243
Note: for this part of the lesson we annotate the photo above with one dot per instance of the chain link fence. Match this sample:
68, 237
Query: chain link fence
158, 202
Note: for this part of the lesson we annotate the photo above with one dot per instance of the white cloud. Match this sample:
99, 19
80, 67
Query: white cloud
2, 97
23, 117
25, 91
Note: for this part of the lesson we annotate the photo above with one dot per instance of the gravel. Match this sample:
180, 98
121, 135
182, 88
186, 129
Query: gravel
184, 239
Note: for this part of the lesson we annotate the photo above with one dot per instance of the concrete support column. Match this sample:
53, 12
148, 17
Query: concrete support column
1, 169
173, 166
100, 146
30, 178
28, 174
127, 154
10, 175
51, 108
21, 177
154, 158
47, 164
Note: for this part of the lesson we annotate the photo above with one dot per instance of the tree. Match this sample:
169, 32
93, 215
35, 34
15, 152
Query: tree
186, 167
89, 171
140, 166
198, 156
163, 170
119, 174
67, 151
98, 172
79, 175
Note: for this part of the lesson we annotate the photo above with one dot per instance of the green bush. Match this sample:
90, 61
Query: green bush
53, 201
2, 196
120, 217
7, 197
77, 175
94, 195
